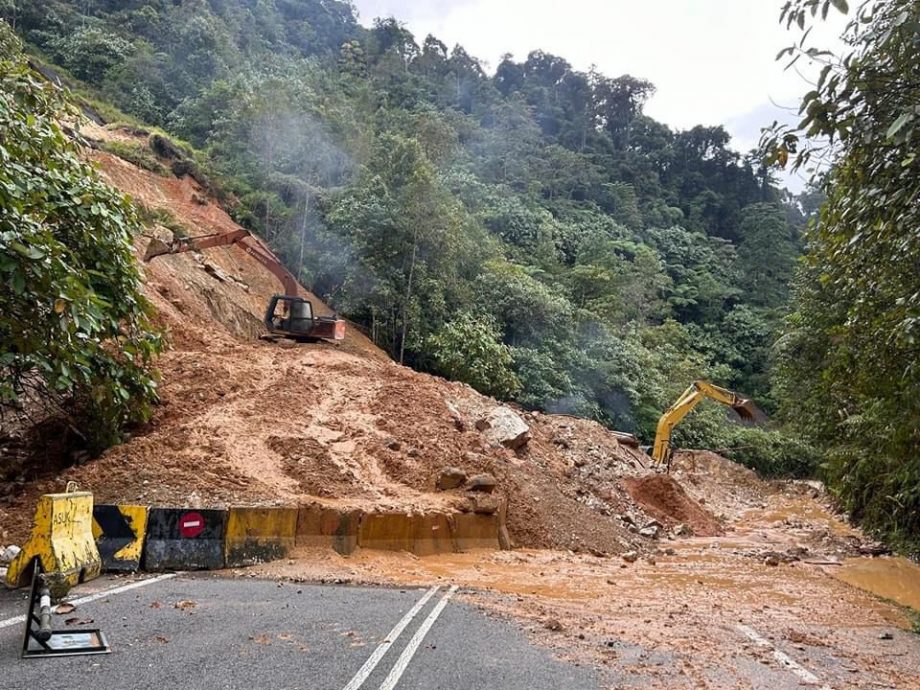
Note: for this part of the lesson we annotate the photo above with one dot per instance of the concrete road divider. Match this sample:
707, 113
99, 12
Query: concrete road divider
422, 535
62, 541
185, 539
119, 532
472, 531
258, 535
328, 528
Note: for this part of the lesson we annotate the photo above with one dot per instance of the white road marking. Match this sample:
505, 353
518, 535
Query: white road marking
403, 662
384, 646
98, 595
784, 660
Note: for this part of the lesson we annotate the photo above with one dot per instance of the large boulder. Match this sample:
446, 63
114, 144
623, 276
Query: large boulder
503, 426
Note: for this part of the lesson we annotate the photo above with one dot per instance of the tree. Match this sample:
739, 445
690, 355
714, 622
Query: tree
849, 360
766, 254
469, 349
75, 329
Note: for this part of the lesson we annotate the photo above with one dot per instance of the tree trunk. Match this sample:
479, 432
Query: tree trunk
405, 314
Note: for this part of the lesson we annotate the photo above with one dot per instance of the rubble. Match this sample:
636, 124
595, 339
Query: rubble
502, 426
482, 483
451, 478
8, 554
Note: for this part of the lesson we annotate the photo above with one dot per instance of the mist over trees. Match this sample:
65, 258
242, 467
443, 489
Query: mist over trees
578, 255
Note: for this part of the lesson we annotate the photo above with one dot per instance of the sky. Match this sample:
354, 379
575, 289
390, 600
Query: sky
712, 61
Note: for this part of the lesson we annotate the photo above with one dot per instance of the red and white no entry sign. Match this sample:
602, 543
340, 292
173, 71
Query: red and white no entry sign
191, 525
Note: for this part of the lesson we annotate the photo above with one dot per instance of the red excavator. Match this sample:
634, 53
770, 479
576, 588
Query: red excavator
296, 319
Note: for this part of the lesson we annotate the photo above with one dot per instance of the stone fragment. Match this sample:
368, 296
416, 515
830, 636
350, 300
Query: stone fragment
503, 426
630, 556
482, 483
771, 560
650, 532
8, 554
451, 478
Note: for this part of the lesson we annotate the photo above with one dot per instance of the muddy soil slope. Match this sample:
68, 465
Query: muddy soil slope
245, 421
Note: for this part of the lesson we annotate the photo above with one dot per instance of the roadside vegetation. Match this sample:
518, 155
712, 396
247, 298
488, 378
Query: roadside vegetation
75, 330
849, 360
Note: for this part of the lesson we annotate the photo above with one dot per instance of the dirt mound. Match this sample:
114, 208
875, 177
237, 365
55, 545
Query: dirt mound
242, 421
664, 499
727, 488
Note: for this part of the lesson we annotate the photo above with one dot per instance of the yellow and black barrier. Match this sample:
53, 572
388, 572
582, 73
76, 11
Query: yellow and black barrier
184, 539
119, 531
73, 540
258, 535
62, 542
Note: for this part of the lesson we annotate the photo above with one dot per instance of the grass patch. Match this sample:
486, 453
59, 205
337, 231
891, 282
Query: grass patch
138, 154
164, 217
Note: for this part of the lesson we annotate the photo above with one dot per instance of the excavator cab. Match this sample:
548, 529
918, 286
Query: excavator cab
295, 319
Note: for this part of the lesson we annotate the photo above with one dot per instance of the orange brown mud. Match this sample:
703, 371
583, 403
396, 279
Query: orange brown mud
673, 615
247, 422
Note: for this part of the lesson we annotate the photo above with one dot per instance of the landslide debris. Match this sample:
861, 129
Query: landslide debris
244, 421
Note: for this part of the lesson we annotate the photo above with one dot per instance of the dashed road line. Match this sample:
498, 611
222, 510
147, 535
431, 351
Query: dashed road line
784, 660
98, 595
406, 657
383, 647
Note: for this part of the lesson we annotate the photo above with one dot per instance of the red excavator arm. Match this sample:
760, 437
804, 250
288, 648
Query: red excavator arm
223, 239
302, 328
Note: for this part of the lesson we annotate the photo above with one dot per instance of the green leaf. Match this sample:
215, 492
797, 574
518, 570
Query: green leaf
898, 124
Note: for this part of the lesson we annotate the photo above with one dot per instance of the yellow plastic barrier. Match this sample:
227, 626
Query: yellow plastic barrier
62, 540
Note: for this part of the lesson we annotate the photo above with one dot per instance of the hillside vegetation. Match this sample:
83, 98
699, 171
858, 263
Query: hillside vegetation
533, 233
530, 232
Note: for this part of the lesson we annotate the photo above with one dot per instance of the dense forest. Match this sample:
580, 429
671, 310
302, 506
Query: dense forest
529, 231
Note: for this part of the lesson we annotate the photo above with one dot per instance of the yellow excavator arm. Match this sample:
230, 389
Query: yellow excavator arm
690, 398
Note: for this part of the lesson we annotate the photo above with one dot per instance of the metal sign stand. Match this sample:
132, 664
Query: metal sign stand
41, 641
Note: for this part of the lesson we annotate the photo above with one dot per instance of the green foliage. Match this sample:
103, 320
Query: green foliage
771, 453
538, 211
469, 349
848, 363
73, 323
137, 153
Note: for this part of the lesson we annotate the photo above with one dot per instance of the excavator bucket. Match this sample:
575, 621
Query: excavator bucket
156, 248
746, 409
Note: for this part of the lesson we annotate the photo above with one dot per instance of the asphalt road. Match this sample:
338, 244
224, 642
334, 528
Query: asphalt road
246, 633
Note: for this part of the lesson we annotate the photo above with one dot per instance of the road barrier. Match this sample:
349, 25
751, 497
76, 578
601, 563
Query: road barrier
471, 531
73, 540
119, 531
184, 539
422, 535
328, 528
62, 542
258, 535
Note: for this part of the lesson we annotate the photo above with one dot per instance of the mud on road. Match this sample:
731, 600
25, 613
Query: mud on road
681, 614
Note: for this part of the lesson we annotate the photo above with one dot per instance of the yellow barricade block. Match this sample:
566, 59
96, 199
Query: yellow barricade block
258, 535
62, 540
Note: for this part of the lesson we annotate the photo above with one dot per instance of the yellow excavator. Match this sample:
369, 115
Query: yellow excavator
690, 398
